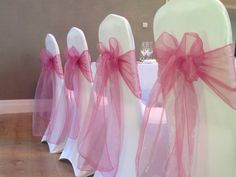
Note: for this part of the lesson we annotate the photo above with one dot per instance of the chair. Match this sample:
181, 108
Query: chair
210, 117
55, 134
45, 94
110, 142
78, 78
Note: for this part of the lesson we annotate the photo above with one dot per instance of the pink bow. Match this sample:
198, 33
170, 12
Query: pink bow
44, 91
100, 146
180, 67
51, 63
82, 61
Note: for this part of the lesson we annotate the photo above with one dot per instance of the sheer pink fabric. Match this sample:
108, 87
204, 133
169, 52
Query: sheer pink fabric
169, 153
60, 123
51, 65
82, 62
101, 143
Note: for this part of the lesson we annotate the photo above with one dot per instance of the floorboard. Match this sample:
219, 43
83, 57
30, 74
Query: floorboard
22, 155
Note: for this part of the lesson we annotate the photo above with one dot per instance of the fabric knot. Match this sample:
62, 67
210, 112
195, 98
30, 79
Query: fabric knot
76, 60
179, 59
51, 62
189, 68
110, 54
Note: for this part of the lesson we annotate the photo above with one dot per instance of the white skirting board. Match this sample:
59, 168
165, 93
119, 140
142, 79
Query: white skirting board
16, 106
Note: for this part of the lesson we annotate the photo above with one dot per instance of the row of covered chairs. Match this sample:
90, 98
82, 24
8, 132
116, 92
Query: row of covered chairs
98, 123
78, 109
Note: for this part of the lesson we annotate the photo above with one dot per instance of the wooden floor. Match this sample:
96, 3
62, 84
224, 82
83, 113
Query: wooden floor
22, 155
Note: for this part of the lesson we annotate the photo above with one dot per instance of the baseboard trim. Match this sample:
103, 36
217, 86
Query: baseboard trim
16, 106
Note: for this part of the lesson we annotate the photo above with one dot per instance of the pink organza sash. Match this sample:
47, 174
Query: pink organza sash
169, 153
81, 62
44, 92
101, 143
75, 59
